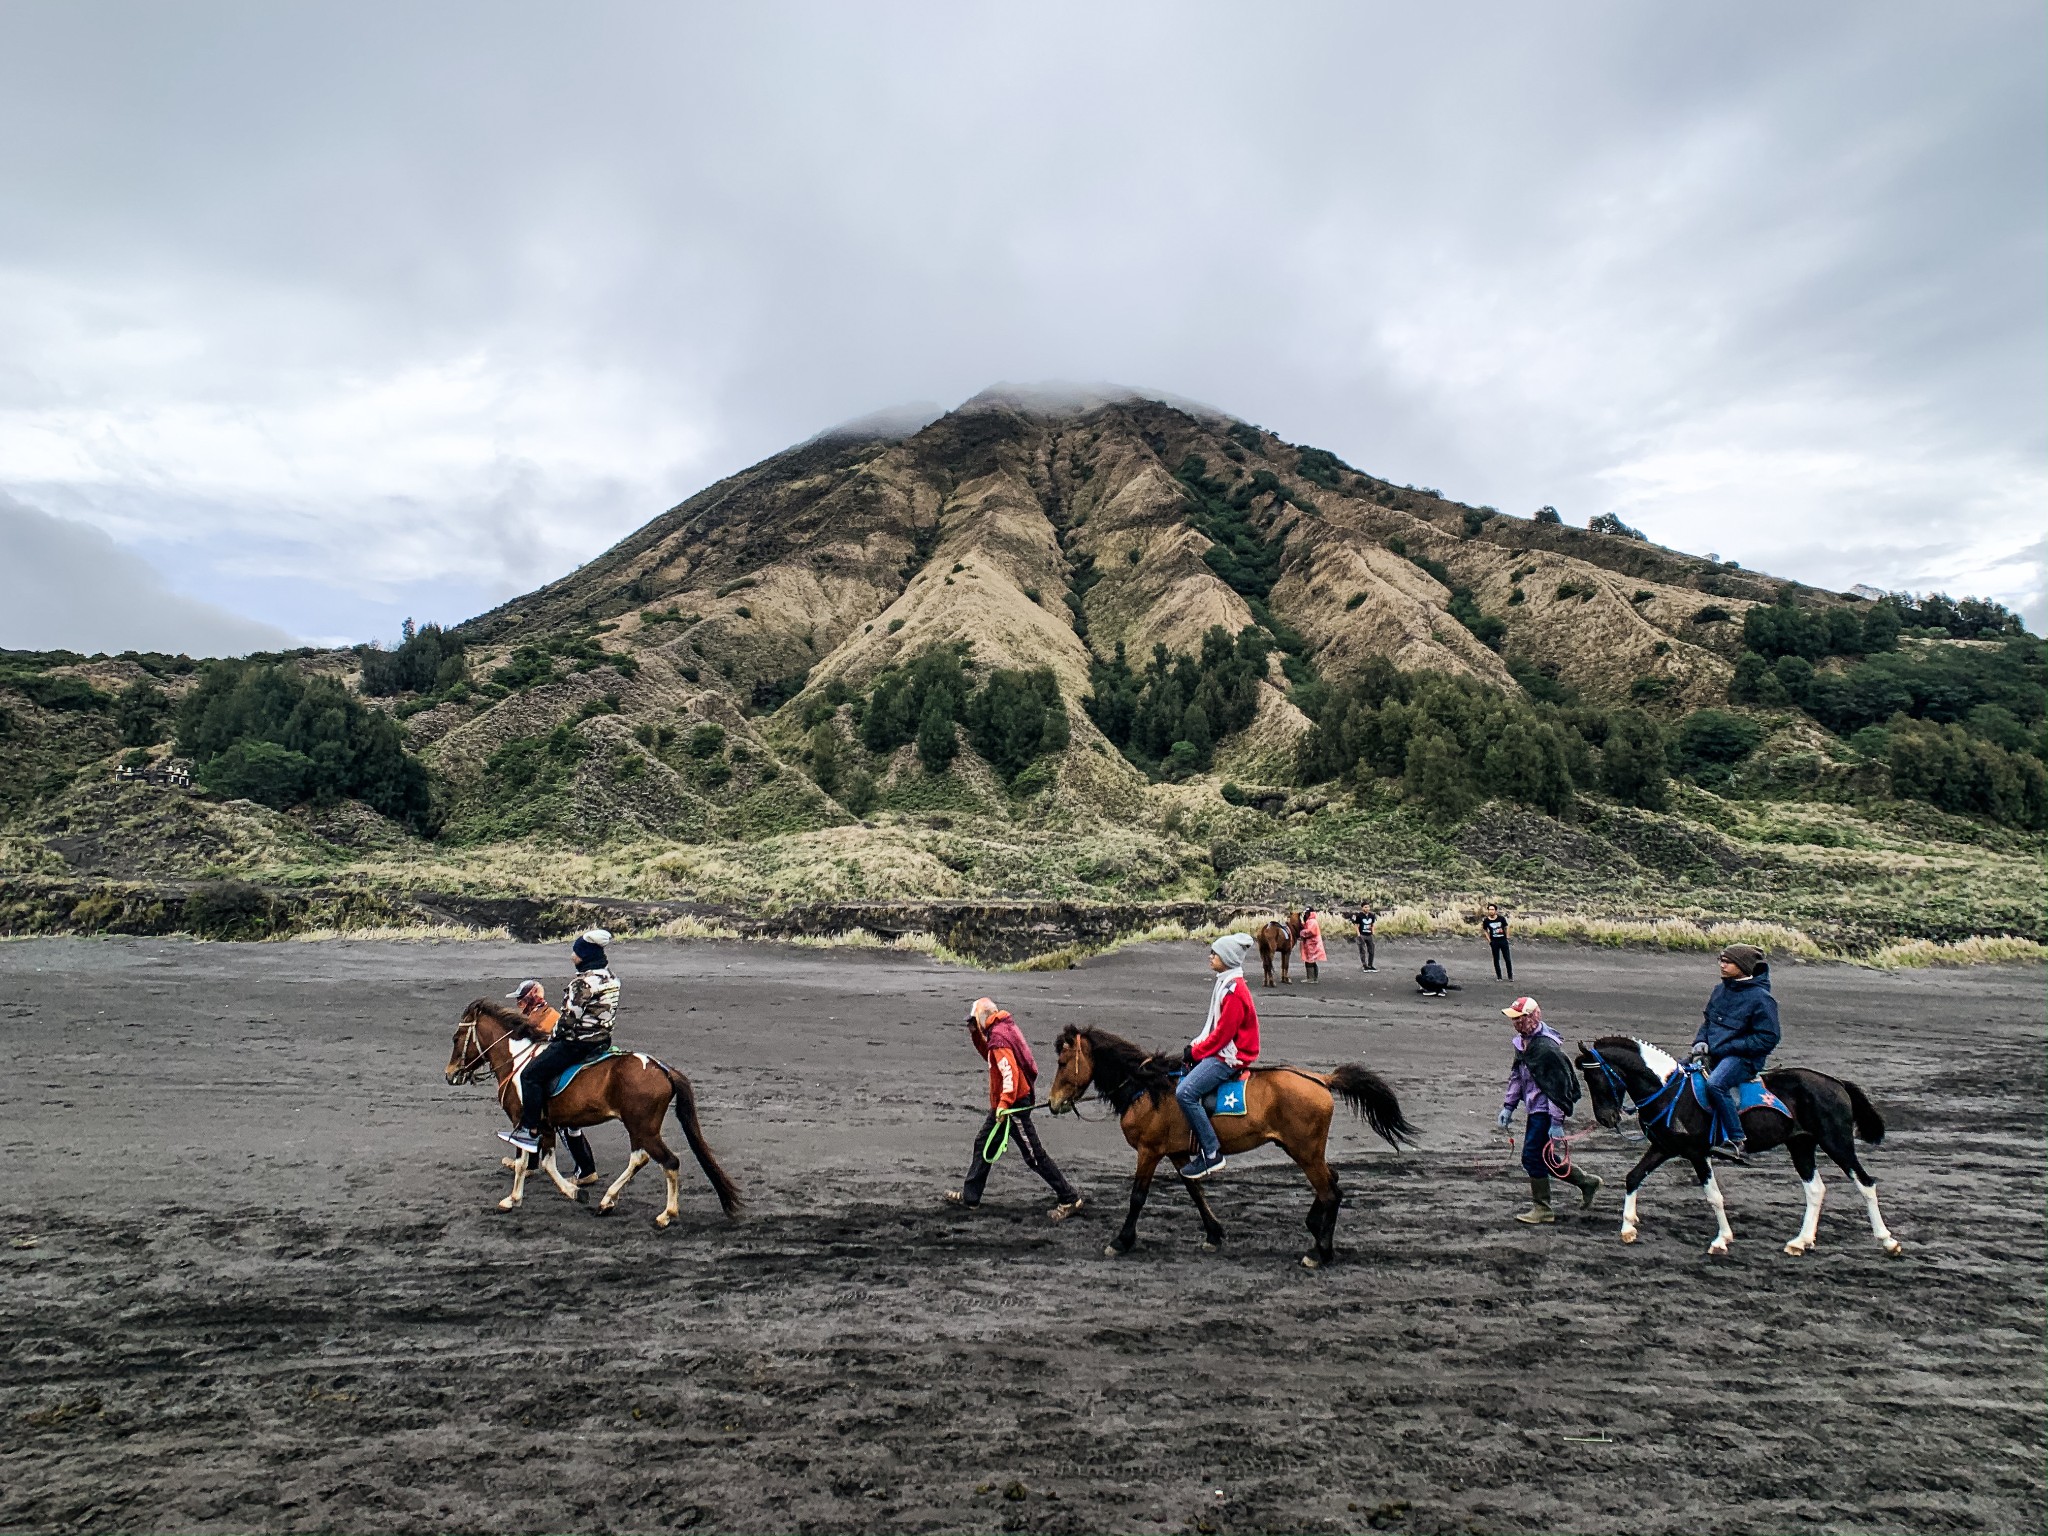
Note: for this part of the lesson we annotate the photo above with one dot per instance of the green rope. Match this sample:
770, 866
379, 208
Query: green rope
999, 1138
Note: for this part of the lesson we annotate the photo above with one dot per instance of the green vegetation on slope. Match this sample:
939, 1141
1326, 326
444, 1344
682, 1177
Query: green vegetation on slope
1169, 718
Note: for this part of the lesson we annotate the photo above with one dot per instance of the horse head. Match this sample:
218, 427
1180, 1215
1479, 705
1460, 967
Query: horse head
1076, 1070
1603, 1083
1618, 1068
482, 1026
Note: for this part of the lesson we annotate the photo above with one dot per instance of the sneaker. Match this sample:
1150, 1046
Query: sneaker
1733, 1151
522, 1138
1200, 1167
955, 1197
1066, 1208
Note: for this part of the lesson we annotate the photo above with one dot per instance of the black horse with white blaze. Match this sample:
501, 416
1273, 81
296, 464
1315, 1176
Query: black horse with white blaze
1827, 1113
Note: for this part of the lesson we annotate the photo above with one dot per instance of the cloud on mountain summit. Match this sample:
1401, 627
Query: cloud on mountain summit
341, 313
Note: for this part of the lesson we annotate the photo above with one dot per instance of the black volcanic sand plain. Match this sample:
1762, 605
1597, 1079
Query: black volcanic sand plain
254, 1278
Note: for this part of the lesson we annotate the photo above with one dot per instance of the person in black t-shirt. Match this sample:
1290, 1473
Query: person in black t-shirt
1367, 919
1496, 927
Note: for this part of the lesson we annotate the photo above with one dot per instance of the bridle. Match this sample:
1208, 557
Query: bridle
1618, 1086
472, 1068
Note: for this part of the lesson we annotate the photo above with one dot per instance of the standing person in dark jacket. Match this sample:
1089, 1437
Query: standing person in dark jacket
1736, 1036
1012, 1079
1368, 918
1496, 927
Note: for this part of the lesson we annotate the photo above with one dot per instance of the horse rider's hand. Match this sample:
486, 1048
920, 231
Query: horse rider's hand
1699, 1050
1187, 1058
1507, 1118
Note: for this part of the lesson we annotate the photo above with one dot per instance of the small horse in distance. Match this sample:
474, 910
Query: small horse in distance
1287, 1105
631, 1087
1275, 938
1829, 1113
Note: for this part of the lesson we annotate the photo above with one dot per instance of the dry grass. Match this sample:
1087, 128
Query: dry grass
403, 932
1915, 953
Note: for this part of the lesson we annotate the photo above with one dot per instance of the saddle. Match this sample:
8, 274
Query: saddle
1747, 1096
1229, 1098
524, 1058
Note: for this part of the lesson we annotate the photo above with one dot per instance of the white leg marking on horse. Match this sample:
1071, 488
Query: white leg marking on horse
1727, 1233
634, 1164
1809, 1230
1877, 1227
518, 1187
1628, 1217
566, 1186
675, 1198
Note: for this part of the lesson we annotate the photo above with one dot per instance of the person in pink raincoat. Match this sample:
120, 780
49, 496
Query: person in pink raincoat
1312, 952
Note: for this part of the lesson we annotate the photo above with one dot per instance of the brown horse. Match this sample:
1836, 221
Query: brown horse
1278, 939
632, 1087
1283, 1104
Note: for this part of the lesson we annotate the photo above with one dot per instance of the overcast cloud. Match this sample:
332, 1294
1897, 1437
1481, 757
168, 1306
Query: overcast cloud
336, 314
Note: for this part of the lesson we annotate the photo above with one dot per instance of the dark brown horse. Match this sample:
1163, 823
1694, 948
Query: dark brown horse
1282, 1104
1276, 938
633, 1088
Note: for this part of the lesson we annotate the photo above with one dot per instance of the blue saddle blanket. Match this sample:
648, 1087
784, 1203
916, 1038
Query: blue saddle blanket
1750, 1095
1228, 1099
568, 1077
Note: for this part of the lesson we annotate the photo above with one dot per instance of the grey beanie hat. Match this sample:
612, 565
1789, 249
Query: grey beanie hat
1233, 949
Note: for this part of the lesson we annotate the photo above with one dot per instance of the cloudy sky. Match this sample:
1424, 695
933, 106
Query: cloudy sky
316, 316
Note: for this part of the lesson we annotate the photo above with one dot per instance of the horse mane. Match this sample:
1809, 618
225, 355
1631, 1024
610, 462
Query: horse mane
1660, 1062
512, 1019
1127, 1063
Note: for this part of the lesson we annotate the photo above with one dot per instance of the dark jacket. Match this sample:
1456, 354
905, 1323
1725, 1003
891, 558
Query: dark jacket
1741, 1019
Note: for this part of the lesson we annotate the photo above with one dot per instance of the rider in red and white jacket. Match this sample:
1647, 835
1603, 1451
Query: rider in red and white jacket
1228, 1043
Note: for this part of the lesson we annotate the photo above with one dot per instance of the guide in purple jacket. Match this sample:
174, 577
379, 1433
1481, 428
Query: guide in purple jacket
1542, 1084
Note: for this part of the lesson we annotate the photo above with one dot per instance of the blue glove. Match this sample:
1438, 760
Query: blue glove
1507, 1118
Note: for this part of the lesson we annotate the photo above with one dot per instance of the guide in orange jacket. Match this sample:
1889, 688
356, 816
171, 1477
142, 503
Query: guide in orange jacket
1012, 1080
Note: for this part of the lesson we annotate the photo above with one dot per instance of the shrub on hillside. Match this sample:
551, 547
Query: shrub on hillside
1708, 742
327, 746
1194, 701
427, 661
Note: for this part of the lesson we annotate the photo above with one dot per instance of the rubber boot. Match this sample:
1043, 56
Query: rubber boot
1588, 1185
1539, 1213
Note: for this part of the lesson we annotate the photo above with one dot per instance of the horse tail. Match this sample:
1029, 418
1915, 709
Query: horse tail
1368, 1094
686, 1113
1869, 1123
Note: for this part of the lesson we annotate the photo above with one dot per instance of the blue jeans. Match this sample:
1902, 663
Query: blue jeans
1722, 1077
1534, 1140
1204, 1078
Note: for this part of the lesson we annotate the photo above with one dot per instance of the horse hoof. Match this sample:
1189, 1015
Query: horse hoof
1895, 1248
663, 1219
1717, 1250
1209, 1247
1628, 1234
508, 1204
1795, 1250
603, 1209
1310, 1261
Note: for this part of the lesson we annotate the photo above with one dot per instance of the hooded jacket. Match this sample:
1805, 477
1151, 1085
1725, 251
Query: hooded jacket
1522, 1086
1012, 1073
1741, 1019
1312, 951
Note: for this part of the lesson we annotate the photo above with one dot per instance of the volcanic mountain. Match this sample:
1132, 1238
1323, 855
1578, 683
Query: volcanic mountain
1048, 532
